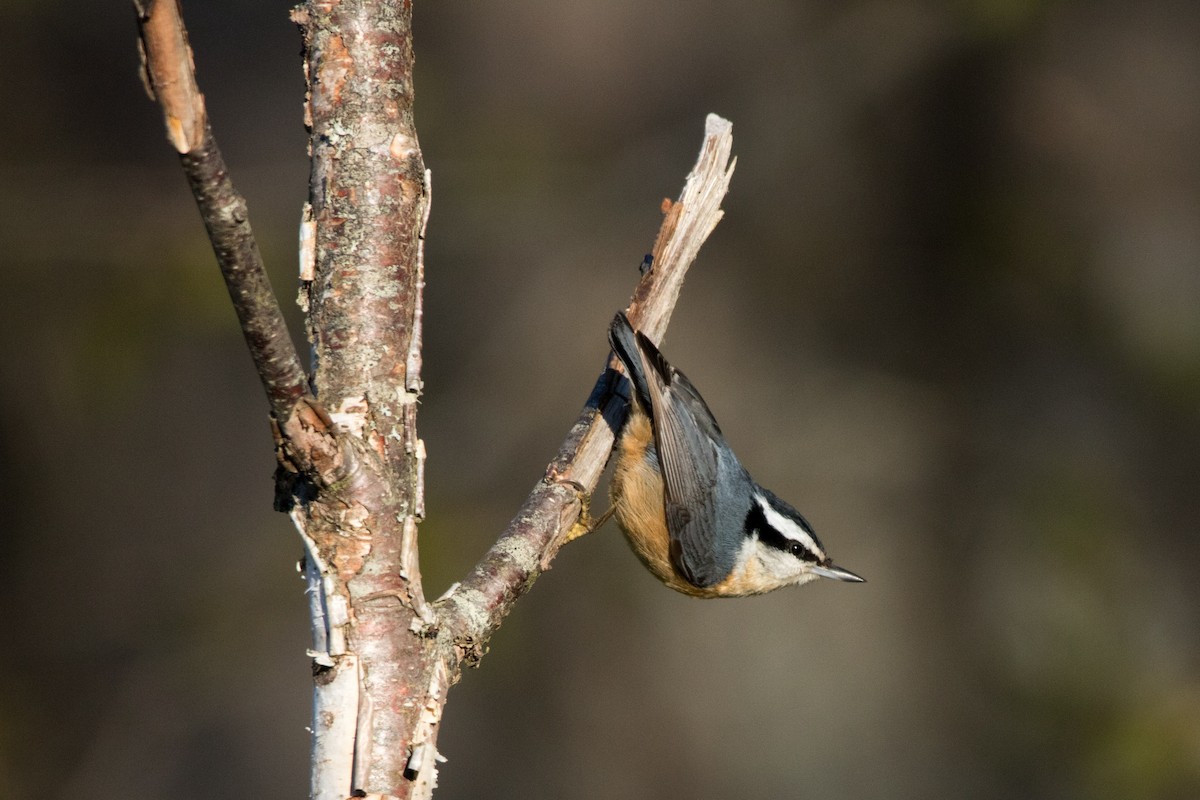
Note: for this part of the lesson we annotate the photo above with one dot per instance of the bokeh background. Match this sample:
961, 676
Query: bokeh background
952, 314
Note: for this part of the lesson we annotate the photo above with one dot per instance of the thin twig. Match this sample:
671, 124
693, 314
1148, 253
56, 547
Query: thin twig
170, 78
473, 611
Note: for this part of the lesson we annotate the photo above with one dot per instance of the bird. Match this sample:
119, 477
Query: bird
690, 510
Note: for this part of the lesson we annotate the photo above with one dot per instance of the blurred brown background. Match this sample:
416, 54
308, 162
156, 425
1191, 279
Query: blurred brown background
951, 314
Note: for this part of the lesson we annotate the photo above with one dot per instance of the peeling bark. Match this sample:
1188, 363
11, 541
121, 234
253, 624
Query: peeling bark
368, 201
351, 466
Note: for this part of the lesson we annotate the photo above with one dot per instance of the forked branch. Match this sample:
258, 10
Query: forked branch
352, 476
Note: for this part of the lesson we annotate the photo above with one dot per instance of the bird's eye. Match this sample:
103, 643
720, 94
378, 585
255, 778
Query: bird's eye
797, 549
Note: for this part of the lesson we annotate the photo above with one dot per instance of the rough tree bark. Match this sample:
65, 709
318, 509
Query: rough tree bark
350, 462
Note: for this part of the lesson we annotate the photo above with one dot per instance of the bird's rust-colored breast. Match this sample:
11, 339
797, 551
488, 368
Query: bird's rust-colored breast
637, 496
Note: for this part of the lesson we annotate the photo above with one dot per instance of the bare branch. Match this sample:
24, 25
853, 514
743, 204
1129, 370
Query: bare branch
169, 74
686, 227
352, 466
474, 609
349, 475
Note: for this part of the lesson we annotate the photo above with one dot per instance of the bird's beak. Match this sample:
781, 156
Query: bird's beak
828, 570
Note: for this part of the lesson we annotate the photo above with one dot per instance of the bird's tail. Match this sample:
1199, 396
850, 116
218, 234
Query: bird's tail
628, 346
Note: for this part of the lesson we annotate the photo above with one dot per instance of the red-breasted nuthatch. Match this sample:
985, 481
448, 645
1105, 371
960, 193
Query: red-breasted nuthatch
692, 513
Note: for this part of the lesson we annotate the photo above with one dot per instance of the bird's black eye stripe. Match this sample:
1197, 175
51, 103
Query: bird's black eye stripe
756, 523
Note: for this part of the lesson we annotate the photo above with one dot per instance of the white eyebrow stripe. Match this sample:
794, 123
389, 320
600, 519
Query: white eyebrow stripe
789, 527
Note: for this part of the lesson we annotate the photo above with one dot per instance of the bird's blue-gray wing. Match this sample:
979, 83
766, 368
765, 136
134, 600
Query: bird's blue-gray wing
687, 438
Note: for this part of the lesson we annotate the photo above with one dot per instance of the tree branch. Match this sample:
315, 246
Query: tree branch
349, 476
475, 608
170, 78
352, 476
